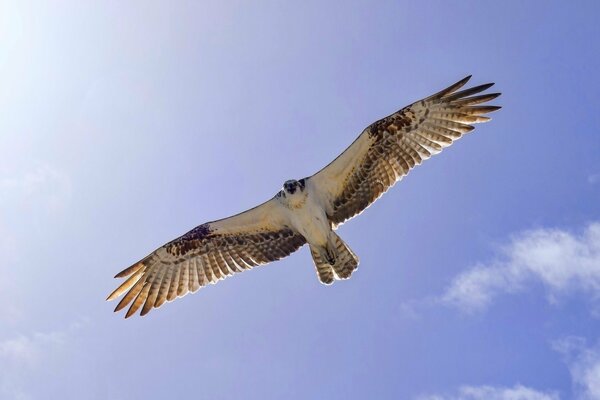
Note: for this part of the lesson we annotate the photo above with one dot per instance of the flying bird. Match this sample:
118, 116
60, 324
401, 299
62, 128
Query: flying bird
310, 209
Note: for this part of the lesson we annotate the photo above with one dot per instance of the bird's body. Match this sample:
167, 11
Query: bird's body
306, 208
306, 213
310, 209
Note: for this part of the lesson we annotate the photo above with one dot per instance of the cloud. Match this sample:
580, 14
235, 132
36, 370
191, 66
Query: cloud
562, 261
42, 186
22, 356
28, 350
10, 312
518, 392
593, 178
582, 360
584, 365
28, 201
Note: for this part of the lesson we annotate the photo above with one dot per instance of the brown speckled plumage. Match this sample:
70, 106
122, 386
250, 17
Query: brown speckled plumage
193, 260
402, 141
385, 152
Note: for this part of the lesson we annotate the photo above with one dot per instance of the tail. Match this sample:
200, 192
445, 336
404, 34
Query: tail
334, 262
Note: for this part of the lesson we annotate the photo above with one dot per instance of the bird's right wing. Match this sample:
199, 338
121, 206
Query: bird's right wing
206, 254
390, 147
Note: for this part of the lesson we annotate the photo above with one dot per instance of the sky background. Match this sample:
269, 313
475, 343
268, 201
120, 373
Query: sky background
123, 126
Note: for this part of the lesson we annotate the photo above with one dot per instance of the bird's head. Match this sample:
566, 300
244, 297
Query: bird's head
293, 186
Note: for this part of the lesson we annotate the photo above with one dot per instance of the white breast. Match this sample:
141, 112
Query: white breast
309, 218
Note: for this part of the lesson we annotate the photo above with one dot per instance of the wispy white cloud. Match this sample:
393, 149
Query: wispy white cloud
562, 261
584, 365
28, 199
10, 312
43, 186
583, 361
22, 356
594, 178
27, 350
518, 392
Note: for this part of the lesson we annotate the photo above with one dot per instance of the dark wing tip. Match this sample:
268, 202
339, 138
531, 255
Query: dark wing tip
122, 304
474, 100
486, 86
453, 96
460, 83
450, 89
492, 96
131, 311
480, 110
145, 311
463, 81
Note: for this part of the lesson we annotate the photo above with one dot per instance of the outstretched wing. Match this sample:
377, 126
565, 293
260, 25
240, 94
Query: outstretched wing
389, 148
207, 254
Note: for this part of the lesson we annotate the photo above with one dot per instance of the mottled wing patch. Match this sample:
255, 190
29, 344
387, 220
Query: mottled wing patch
196, 259
186, 243
403, 140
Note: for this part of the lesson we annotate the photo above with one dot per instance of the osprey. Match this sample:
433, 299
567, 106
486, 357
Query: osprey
310, 209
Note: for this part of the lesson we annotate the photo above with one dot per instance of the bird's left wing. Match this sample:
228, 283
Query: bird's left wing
389, 148
207, 254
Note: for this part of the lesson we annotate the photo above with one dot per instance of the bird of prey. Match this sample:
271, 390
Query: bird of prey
310, 209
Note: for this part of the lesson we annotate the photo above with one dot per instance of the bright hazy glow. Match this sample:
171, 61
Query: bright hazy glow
125, 124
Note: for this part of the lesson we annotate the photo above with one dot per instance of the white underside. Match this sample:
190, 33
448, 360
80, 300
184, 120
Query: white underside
309, 217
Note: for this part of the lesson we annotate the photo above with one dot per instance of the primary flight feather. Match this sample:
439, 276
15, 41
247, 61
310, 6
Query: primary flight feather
310, 209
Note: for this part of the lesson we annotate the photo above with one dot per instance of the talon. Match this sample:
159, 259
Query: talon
330, 257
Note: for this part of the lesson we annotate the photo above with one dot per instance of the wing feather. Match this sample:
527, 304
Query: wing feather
131, 294
139, 300
173, 282
163, 289
384, 152
390, 147
183, 279
153, 292
207, 254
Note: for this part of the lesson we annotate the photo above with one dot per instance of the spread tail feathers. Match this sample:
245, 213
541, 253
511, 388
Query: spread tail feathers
334, 262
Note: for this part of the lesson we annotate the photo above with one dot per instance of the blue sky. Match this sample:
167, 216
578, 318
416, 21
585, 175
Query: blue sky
125, 125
